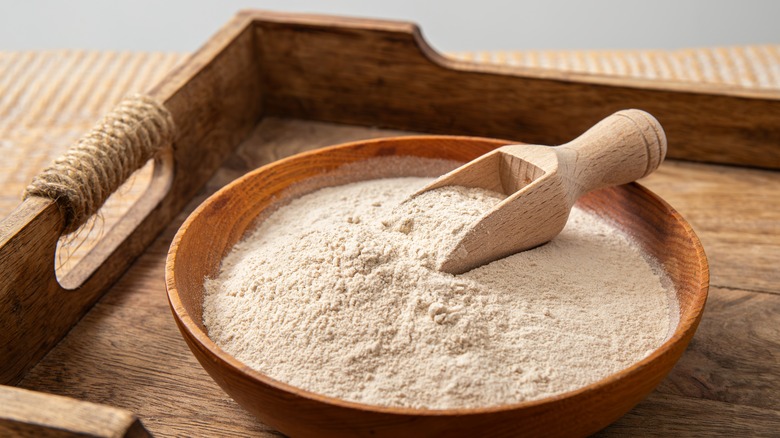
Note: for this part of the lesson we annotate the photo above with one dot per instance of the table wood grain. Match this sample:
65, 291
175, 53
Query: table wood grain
127, 352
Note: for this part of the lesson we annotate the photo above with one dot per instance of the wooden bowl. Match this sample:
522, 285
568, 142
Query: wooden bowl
216, 225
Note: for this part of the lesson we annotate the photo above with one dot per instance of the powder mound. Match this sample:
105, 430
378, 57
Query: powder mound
337, 293
436, 220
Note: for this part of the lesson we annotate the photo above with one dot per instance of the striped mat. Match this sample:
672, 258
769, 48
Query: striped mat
744, 66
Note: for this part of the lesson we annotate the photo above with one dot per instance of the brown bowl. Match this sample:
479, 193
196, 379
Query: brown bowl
217, 224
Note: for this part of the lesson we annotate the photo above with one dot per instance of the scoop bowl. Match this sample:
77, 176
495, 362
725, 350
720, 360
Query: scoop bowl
542, 183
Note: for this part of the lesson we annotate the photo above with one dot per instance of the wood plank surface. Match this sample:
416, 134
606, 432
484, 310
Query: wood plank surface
735, 355
735, 212
661, 415
127, 352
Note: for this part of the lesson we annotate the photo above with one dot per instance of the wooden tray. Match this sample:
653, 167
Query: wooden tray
258, 79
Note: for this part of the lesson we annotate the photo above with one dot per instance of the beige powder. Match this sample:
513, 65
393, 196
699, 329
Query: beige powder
336, 293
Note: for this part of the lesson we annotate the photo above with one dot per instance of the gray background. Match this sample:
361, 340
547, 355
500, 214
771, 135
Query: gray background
179, 25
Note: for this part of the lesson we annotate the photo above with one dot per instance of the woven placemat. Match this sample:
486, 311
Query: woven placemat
745, 66
49, 99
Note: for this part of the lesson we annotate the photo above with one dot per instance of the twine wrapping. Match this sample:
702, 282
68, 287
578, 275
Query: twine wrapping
83, 178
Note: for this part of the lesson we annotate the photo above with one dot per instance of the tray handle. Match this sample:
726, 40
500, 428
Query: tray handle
36, 306
83, 178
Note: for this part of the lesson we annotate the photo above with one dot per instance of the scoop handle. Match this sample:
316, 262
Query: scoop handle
623, 147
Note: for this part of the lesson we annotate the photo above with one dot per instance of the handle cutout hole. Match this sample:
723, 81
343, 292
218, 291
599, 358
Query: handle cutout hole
81, 253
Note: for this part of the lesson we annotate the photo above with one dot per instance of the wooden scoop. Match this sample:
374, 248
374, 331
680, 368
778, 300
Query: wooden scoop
542, 184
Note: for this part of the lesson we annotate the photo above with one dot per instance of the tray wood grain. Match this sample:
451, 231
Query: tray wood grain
127, 351
28, 413
354, 71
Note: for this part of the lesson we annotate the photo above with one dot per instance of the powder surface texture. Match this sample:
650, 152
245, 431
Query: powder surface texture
337, 293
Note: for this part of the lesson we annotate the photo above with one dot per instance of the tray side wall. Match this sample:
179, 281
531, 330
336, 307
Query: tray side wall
383, 74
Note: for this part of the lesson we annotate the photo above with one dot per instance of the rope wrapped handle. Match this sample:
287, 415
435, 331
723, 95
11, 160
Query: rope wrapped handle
93, 168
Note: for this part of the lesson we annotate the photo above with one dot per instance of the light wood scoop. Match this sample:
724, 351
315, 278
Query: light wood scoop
542, 183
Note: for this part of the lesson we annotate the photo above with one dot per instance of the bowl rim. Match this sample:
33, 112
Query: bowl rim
686, 326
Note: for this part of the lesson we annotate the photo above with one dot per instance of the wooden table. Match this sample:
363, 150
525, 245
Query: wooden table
127, 351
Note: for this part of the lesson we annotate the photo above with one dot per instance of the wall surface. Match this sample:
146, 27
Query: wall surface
458, 25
